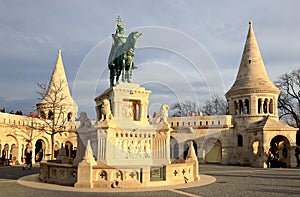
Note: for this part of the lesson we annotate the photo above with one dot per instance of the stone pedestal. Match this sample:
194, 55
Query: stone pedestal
130, 149
127, 101
126, 137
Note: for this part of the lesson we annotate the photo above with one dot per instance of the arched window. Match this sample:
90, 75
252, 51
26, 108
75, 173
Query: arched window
259, 106
271, 110
69, 117
69, 148
43, 115
247, 107
235, 108
240, 141
137, 112
241, 107
50, 115
265, 106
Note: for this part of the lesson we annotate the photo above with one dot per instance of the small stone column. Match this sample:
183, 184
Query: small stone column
85, 169
192, 158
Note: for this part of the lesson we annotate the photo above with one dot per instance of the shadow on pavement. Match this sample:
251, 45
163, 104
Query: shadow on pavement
16, 172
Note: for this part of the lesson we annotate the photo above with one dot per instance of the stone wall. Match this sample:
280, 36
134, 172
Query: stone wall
18, 131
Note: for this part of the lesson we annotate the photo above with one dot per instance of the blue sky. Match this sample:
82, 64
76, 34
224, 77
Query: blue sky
188, 50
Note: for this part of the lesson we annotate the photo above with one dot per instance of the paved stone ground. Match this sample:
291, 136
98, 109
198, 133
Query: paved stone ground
231, 181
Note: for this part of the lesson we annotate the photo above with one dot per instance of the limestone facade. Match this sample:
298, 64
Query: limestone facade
17, 132
252, 127
242, 137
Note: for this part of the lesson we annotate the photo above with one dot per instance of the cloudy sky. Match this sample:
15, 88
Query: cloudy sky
188, 49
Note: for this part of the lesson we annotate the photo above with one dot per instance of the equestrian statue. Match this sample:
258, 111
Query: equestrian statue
121, 56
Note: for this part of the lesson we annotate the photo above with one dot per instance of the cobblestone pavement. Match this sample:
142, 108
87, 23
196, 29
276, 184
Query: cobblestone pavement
230, 181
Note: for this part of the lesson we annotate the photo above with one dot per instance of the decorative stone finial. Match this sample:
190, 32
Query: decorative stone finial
59, 51
191, 152
88, 156
250, 22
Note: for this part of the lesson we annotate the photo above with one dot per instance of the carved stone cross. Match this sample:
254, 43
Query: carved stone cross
175, 172
118, 174
103, 174
132, 174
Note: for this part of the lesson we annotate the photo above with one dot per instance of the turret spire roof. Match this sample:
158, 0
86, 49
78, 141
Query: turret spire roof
59, 78
252, 75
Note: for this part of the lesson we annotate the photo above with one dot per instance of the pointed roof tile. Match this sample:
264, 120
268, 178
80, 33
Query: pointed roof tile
252, 75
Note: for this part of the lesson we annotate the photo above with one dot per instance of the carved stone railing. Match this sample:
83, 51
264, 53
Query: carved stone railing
62, 174
12, 120
222, 121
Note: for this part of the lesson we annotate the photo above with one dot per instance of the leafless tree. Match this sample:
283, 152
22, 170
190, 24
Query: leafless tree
185, 108
215, 106
289, 98
54, 98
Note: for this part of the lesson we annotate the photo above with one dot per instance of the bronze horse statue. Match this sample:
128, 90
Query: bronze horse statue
121, 58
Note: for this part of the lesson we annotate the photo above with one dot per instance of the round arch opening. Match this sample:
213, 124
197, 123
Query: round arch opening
174, 148
39, 150
213, 151
281, 149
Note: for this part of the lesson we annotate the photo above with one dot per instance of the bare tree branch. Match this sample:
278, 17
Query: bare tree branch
289, 98
215, 106
185, 108
54, 98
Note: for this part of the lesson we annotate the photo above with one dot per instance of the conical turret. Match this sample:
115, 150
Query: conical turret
252, 92
59, 79
252, 75
58, 88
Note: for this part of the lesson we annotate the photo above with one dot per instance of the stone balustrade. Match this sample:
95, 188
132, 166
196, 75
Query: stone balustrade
11, 120
222, 121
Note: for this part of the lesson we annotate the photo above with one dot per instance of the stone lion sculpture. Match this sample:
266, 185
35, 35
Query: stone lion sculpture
84, 121
162, 116
105, 110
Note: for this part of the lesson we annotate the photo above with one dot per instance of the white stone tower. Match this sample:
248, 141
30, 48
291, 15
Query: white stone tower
252, 101
252, 94
58, 89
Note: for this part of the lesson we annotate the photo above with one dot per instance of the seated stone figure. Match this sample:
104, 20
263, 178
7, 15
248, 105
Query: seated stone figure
105, 110
162, 116
84, 121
